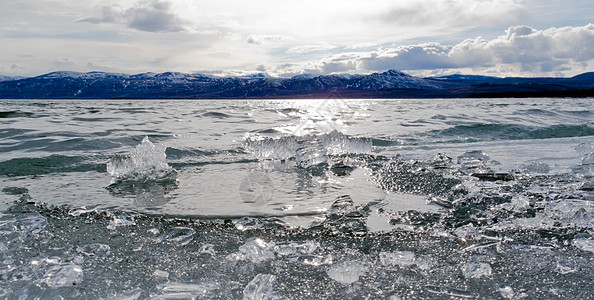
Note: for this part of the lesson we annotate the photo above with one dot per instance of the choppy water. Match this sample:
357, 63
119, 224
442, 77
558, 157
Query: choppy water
297, 199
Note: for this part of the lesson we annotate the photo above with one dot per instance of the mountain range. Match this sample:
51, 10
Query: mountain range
388, 84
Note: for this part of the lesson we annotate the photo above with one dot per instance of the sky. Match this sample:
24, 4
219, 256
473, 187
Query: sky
282, 38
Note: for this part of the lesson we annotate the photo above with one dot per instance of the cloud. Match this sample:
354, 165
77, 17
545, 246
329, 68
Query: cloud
108, 15
64, 63
265, 39
145, 15
154, 16
454, 12
532, 50
321, 46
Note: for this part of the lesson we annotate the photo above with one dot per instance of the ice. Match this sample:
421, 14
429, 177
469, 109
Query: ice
100, 250
538, 167
27, 224
161, 273
207, 249
178, 235
147, 160
186, 290
454, 293
562, 268
347, 272
63, 275
473, 158
476, 270
308, 150
506, 292
247, 223
254, 250
260, 288
120, 220
129, 295
397, 258
584, 242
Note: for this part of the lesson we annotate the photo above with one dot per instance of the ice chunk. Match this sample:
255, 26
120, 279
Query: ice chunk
537, 167
178, 235
94, 250
161, 273
475, 159
129, 295
254, 250
29, 223
347, 272
147, 160
260, 288
308, 150
562, 268
397, 258
584, 243
189, 290
207, 249
476, 270
247, 223
120, 220
506, 292
63, 275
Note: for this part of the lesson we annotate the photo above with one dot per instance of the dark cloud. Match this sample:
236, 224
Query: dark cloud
154, 16
146, 15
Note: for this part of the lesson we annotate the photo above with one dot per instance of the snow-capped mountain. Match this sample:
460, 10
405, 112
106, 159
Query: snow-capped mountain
388, 84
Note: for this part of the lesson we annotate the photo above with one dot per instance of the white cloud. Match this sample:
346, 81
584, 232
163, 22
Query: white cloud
523, 47
321, 46
454, 12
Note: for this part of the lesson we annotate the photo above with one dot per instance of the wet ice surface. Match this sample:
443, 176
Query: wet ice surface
304, 208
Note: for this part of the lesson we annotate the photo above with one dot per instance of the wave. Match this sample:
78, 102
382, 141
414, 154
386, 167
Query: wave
50, 164
482, 131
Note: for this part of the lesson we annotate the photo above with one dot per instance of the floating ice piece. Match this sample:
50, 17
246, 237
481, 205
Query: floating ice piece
476, 270
260, 288
347, 272
178, 235
397, 258
475, 159
63, 275
308, 150
473, 155
561, 268
450, 291
207, 249
247, 223
24, 224
506, 292
147, 160
129, 295
161, 273
182, 290
120, 220
254, 250
94, 250
584, 243
538, 167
